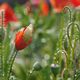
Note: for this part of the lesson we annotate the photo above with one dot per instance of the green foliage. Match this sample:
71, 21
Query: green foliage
56, 40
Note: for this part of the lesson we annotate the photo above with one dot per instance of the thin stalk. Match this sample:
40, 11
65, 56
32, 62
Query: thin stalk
1, 51
70, 13
1, 61
2, 19
30, 73
54, 77
70, 42
70, 38
73, 56
2, 43
11, 62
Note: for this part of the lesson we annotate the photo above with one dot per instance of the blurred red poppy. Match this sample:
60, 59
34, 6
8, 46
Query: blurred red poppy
9, 15
75, 3
45, 8
23, 38
59, 4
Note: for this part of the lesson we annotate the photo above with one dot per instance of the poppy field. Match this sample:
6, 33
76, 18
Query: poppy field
39, 39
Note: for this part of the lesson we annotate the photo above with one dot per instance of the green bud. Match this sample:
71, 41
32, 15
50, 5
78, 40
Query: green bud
55, 69
66, 44
37, 66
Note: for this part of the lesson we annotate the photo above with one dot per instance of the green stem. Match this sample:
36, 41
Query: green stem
68, 28
54, 77
74, 59
11, 62
70, 14
1, 60
30, 73
70, 38
2, 18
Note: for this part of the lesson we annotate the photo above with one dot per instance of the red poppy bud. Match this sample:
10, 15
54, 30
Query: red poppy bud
23, 37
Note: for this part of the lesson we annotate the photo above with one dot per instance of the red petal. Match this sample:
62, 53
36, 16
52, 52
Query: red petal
59, 4
75, 3
19, 41
9, 13
45, 8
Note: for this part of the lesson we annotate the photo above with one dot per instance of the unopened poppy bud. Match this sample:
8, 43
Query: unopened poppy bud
37, 66
28, 33
55, 69
23, 37
2, 34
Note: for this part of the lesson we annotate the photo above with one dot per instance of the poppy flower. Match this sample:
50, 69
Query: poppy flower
75, 3
23, 37
9, 15
45, 8
59, 4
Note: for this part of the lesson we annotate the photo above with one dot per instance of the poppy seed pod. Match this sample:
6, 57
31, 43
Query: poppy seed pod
23, 37
37, 66
55, 69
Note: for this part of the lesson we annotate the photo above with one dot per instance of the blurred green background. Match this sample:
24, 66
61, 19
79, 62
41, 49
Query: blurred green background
48, 44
